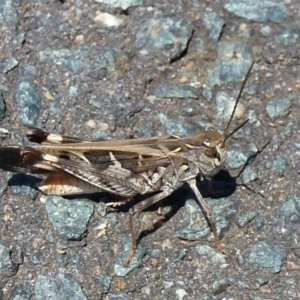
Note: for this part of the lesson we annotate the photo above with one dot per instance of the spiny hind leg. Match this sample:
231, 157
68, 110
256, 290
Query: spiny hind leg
135, 211
207, 213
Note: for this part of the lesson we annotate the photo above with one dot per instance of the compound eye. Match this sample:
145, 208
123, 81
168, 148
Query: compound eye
210, 152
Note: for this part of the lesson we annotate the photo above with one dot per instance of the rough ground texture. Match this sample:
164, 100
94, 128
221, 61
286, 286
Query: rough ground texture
110, 69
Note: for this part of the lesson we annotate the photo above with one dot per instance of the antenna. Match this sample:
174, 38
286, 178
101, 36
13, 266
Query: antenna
235, 106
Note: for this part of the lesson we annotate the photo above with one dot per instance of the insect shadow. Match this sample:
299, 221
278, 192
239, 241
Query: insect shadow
220, 186
26, 184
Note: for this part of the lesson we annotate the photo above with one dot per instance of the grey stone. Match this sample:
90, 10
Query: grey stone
225, 104
211, 255
236, 158
196, 227
280, 165
168, 90
290, 210
249, 174
221, 285
103, 281
7, 266
287, 37
119, 268
24, 185
163, 35
59, 287
8, 14
69, 217
228, 69
266, 31
214, 23
245, 219
267, 255
71, 59
21, 292
124, 4
278, 107
206, 92
110, 63
9, 64
258, 10
28, 101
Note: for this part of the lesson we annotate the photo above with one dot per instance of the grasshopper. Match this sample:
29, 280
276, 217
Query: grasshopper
158, 165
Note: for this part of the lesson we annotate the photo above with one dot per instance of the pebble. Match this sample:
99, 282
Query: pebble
258, 10
278, 107
163, 35
57, 286
69, 218
267, 255
28, 101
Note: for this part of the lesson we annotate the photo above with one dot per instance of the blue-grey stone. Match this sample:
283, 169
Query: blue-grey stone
280, 165
119, 268
287, 37
199, 45
38, 258
103, 282
169, 90
123, 4
28, 101
243, 285
211, 255
191, 108
181, 294
252, 116
242, 221
259, 222
163, 35
120, 296
206, 92
236, 158
21, 292
69, 217
9, 64
59, 287
110, 63
196, 226
229, 69
55, 55
61, 260
214, 23
266, 31
221, 285
101, 209
258, 10
288, 130
249, 174
224, 106
174, 127
206, 296
29, 70
7, 266
290, 210
24, 185
71, 59
8, 14
265, 254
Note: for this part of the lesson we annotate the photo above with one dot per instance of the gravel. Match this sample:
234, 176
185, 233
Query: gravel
117, 69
